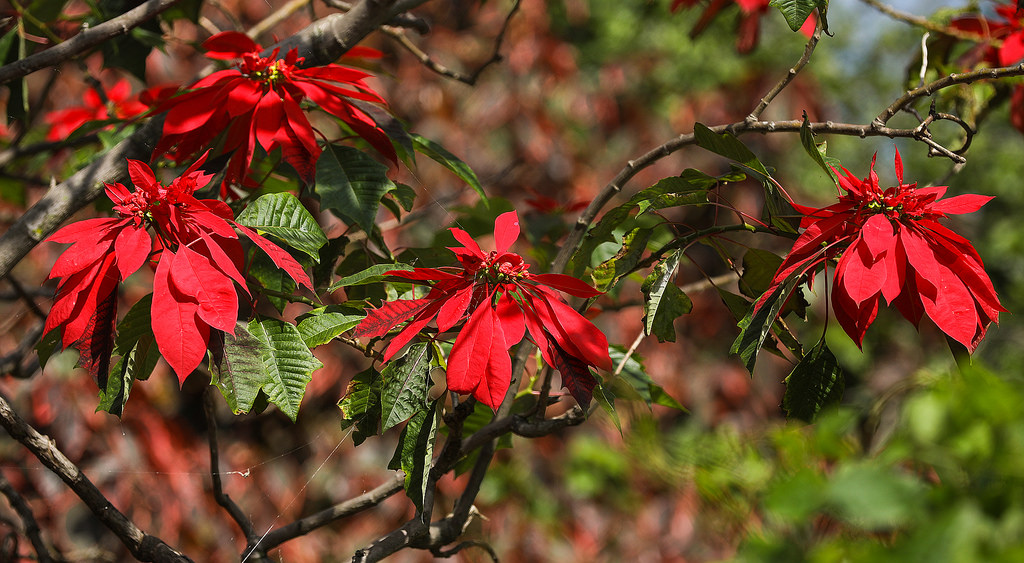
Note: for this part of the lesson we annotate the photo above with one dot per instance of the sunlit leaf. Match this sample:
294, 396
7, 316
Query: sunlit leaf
404, 385
283, 216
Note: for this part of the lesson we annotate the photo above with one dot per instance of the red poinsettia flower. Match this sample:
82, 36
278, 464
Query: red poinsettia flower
890, 245
199, 256
748, 26
1009, 32
259, 101
121, 105
497, 301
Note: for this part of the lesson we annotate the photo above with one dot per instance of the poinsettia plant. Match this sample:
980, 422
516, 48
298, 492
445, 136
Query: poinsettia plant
271, 240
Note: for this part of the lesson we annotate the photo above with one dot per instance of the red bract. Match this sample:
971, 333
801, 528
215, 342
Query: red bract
1009, 32
890, 245
122, 105
748, 26
198, 253
259, 101
498, 301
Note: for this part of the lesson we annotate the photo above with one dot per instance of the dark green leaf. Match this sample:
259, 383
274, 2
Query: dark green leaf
373, 274
273, 278
663, 301
351, 184
727, 145
283, 216
119, 385
361, 405
405, 195
755, 326
187, 9
759, 267
135, 336
417, 451
266, 355
324, 324
796, 11
606, 399
816, 382
817, 151
405, 385
441, 155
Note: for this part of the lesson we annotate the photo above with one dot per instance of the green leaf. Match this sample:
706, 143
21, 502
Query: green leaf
755, 326
283, 216
267, 355
135, 338
663, 301
817, 151
441, 155
796, 11
759, 267
689, 188
351, 184
361, 405
815, 382
606, 399
634, 243
875, 497
324, 324
405, 195
270, 276
635, 374
727, 145
188, 10
416, 451
405, 385
373, 274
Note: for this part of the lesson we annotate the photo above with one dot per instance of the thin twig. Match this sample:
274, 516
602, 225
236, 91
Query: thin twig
471, 78
232, 508
446, 553
28, 521
142, 546
327, 516
925, 23
282, 13
812, 42
85, 40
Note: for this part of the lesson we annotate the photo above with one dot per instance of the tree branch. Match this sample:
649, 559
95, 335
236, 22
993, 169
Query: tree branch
352, 506
85, 40
243, 521
28, 521
143, 546
800, 64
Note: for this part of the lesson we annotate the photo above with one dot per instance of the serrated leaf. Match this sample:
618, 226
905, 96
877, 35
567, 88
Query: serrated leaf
817, 381
440, 155
361, 405
267, 355
634, 243
350, 183
416, 451
405, 384
324, 324
283, 216
797, 11
373, 274
663, 301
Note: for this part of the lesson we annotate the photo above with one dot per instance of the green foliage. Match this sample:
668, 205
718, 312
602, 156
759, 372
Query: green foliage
323, 324
405, 385
138, 353
283, 216
361, 405
415, 452
351, 184
797, 11
663, 300
266, 355
439, 154
816, 382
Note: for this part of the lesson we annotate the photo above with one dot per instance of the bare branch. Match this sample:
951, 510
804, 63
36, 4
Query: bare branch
243, 521
409, 21
924, 22
28, 521
85, 40
143, 546
800, 64
471, 78
327, 516
463, 545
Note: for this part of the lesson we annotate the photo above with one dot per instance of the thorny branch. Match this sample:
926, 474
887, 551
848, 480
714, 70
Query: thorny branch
85, 40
